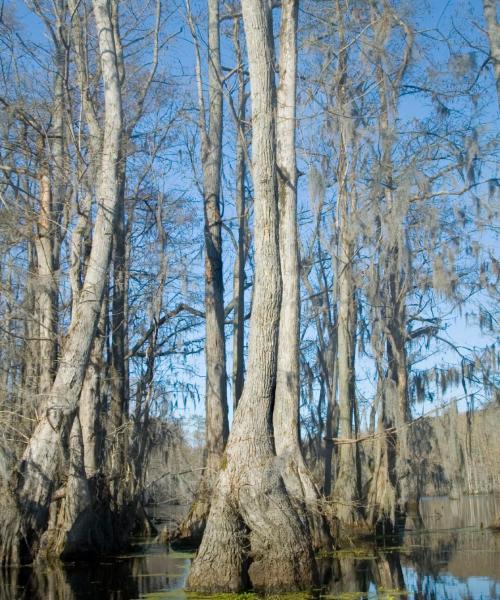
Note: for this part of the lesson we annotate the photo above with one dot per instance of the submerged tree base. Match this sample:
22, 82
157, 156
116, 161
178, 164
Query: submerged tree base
254, 538
78, 526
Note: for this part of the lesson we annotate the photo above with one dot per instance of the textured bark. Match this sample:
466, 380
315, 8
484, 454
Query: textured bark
80, 247
50, 229
71, 514
239, 267
90, 405
397, 390
217, 427
47, 291
331, 429
119, 364
490, 8
381, 498
286, 408
37, 471
347, 484
254, 536
31, 331
346, 489
191, 529
286, 418
392, 485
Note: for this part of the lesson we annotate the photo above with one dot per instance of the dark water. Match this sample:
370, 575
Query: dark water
453, 557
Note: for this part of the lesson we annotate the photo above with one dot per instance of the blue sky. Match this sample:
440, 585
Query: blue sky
437, 21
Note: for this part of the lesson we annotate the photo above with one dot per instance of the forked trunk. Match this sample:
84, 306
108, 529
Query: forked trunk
254, 536
70, 514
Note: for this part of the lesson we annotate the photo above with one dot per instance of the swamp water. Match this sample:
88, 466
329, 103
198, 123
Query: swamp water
455, 556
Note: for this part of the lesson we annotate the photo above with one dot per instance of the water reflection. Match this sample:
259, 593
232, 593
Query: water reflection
455, 556
147, 571
378, 574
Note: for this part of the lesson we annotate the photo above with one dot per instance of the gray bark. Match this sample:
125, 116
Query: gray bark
346, 489
91, 397
217, 427
216, 407
38, 467
286, 418
251, 516
119, 364
332, 425
50, 228
239, 267
47, 291
391, 486
286, 408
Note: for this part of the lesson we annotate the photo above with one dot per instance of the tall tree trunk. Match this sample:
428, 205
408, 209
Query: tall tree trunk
397, 381
286, 407
58, 147
70, 518
31, 351
286, 418
331, 429
346, 490
326, 321
91, 398
37, 472
216, 409
217, 427
254, 536
239, 267
46, 288
119, 364
381, 499
140, 448
51, 207
392, 484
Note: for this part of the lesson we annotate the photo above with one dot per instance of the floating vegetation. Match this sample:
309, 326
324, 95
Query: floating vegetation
359, 553
163, 595
251, 596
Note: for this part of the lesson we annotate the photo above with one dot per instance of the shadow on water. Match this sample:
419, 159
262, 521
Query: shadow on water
455, 556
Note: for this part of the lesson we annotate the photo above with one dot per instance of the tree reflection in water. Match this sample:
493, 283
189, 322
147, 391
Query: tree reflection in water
121, 578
